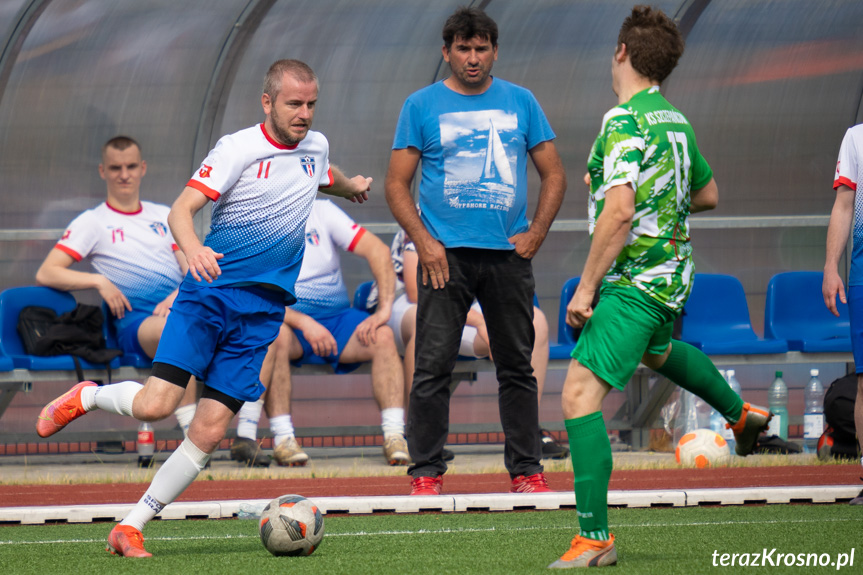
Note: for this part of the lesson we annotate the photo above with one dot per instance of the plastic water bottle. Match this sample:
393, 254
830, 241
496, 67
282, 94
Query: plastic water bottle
777, 400
146, 444
251, 510
813, 415
717, 422
688, 412
727, 434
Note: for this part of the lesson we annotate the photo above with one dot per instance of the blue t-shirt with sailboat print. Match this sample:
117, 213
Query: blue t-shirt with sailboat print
473, 186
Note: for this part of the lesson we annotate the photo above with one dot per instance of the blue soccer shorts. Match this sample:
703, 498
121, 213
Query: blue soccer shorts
221, 335
342, 324
127, 331
855, 311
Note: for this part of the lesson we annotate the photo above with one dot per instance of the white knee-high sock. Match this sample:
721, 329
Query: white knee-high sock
250, 415
177, 473
116, 398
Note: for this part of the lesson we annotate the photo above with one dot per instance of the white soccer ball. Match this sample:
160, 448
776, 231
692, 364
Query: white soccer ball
702, 448
291, 525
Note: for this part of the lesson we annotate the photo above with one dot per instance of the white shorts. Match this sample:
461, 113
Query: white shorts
468, 335
400, 306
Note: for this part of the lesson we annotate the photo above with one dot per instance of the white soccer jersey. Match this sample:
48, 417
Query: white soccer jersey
320, 285
262, 193
849, 172
133, 250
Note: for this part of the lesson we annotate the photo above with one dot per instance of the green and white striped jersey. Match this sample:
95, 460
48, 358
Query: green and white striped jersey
650, 145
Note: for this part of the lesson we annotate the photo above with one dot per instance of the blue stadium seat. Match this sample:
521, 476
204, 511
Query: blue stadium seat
565, 334
12, 301
111, 342
795, 312
6, 363
716, 319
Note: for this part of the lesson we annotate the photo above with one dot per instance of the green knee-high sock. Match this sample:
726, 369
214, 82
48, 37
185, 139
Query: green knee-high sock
692, 370
590, 451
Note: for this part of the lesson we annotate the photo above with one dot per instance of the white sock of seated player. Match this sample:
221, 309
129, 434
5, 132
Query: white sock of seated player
282, 427
115, 398
175, 475
393, 421
250, 415
184, 415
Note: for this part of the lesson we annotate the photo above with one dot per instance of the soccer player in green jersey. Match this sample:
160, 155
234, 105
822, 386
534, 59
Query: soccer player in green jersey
646, 176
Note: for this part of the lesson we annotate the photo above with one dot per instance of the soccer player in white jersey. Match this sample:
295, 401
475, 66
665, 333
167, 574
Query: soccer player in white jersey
848, 209
325, 329
262, 181
138, 267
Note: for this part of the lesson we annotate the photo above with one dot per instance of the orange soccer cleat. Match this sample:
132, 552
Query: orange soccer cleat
126, 541
63, 410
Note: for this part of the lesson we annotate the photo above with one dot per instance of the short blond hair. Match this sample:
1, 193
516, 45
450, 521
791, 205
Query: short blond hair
299, 70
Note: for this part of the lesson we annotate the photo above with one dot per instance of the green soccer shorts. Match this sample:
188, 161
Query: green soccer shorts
626, 324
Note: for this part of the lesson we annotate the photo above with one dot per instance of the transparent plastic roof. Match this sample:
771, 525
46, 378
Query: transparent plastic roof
770, 87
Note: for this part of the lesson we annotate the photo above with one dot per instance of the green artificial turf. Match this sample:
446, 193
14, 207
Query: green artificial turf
649, 541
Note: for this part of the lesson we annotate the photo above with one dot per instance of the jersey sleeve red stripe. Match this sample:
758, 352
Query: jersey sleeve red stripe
207, 191
331, 179
843, 181
75, 255
356, 239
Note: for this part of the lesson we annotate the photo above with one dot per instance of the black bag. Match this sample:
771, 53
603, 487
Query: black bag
839, 415
77, 333
774, 444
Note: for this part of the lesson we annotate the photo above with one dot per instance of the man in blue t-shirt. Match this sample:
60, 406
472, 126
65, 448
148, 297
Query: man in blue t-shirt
474, 133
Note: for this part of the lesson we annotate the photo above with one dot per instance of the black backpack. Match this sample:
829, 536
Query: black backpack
839, 415
77, 333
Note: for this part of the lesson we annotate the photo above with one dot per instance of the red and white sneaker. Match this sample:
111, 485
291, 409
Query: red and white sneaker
126, 541
426, 485
62, 411
584, 552
535, 483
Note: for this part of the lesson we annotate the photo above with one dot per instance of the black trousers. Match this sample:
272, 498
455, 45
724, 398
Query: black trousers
503, 284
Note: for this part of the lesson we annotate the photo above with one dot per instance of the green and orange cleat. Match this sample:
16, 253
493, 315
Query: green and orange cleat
126, 541
62, 411
753, 422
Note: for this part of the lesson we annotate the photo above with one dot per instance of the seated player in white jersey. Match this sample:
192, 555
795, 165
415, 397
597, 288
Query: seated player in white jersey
323, 328
474, 338
138, 266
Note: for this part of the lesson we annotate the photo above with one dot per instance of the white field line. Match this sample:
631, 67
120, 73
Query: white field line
449, 531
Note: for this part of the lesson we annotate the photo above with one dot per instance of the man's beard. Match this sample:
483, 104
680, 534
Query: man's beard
281, 135
284, 136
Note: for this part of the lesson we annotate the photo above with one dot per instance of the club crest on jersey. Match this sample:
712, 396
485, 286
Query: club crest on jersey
313, 238
159, 228
308, 164
205, 170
